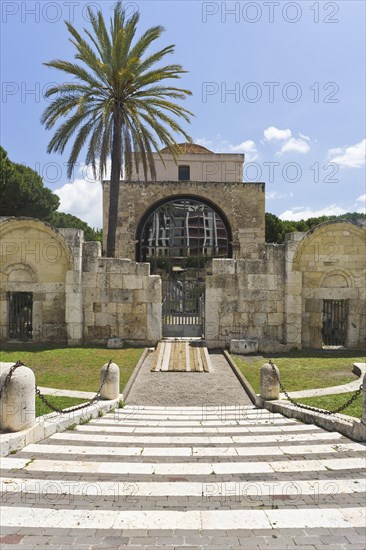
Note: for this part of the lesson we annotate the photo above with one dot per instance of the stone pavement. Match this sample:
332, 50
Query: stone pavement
215, 474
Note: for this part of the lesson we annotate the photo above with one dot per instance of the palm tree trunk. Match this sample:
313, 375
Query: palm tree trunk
114, 183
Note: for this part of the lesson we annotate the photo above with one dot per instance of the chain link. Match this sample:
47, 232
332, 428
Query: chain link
308, 407
77, 407
9, 375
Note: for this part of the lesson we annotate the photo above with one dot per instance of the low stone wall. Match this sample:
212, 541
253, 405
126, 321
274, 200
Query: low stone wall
120, 299
245, 301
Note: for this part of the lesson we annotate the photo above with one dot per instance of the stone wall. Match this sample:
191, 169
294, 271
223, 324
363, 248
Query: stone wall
34, 257
330, 262
78, 296
278, 299
120, 299
242, 204
245, 300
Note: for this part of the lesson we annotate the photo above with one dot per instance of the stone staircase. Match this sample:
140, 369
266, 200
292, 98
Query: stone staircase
224, 477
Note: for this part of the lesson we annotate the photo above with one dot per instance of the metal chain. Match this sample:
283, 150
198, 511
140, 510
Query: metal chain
308, 407
9, 375
77, 407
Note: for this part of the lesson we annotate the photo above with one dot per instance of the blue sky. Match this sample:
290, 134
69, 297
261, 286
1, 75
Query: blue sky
282, 82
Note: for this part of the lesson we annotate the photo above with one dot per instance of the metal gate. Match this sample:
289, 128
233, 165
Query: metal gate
20, 316
183, 308
335, 317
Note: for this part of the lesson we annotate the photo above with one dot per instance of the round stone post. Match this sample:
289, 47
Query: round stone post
270, 388
110, 389
18, 400
363, 418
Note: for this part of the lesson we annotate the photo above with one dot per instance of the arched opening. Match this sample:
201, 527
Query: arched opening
179, 237
182, 232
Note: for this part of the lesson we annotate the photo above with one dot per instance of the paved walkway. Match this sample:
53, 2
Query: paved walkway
217, 387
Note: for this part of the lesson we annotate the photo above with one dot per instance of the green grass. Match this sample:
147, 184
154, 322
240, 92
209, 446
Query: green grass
72, 368
332, 402
56, 401
304, 370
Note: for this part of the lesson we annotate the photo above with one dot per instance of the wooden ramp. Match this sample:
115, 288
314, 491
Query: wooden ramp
181, 356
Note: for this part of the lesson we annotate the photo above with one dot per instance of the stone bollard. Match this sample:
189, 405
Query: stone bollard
363, 418
18, 400
110, 389
270, 388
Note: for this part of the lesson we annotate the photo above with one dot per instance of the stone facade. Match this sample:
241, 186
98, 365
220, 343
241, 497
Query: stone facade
270, 295
278, 298
215, 179
78, 296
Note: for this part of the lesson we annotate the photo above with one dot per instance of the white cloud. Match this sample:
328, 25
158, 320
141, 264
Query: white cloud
247, 147
82, 198
302, 213
352, 157
361, 198
295, 145
304, 137
272, 133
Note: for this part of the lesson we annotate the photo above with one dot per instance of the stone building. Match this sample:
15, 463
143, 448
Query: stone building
191, 261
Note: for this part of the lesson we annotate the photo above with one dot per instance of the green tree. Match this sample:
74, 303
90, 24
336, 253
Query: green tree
22, 192
118, 102
276, 229
59, 219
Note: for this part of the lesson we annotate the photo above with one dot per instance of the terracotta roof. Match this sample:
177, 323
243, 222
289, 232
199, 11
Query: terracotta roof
189, 149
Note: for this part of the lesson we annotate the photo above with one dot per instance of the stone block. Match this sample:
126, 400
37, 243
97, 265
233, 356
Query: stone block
260, 319
152, 283
116, 280
244, 347
132, 282
121, 296
223, 266
143, 269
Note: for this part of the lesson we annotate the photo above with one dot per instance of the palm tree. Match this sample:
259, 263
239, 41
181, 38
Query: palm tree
117, 102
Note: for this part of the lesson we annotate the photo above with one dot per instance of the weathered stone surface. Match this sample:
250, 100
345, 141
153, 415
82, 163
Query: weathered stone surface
243, 346
17, 402
270, 388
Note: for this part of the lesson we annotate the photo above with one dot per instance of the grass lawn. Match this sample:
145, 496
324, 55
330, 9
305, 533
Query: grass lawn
56, 401
331, 402
72, 368
304, 370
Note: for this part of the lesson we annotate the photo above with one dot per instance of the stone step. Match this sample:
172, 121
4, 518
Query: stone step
345, 448
193, 440
170, 471
190, 468
294, 488
190, 520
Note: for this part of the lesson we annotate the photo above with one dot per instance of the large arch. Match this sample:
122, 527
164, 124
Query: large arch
192, 205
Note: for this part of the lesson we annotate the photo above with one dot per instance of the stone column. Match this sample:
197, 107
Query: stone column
110, 388
293, 293
17, 402
270, 388
363, 418
73, 288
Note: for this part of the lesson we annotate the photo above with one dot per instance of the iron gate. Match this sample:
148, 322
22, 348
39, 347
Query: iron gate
183, 308
335, 317
20, 316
